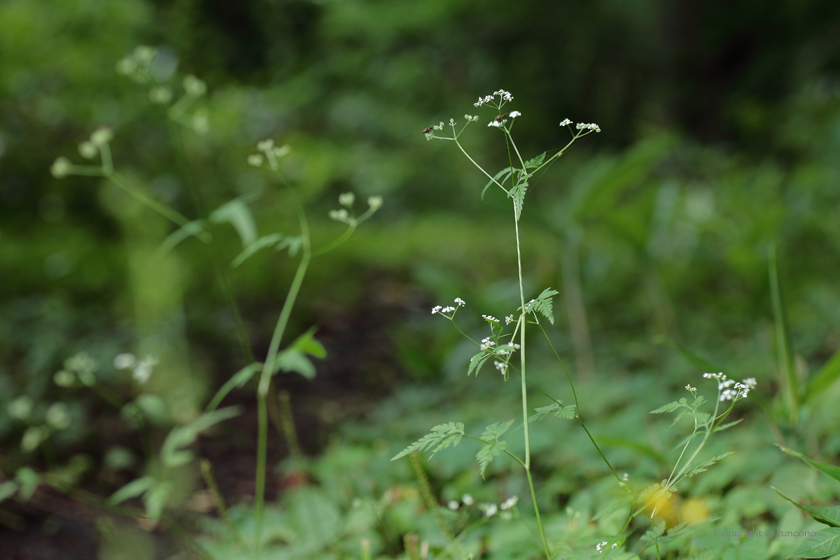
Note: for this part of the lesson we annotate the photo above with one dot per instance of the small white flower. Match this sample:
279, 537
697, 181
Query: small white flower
125, 360
490, 318
509, 319
487, 343
599, 546
255, 159
460, 302
467, 499
453, 505
436, 309
625, 477
565, 122
589, 126
514, 114
452, 122
346, 199
448, 309
495, 123
492, 509
509, 503
375, 202
615, 544
502, 367
143, 370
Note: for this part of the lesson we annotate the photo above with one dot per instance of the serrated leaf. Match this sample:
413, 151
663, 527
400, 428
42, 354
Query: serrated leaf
672, 406
828, 515
517, 192
261, 243
727, 426
439, 438
542, 304
535, 161
702, 418
237, 214
476, 362
557, 409
704, 466
499, 177
824, 543
492, 446
830, 470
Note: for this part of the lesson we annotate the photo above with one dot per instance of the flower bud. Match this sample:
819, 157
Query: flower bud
88, 150
160, 95
375, 202
102, 135
255, 159
61, 168
194, 86
346, 199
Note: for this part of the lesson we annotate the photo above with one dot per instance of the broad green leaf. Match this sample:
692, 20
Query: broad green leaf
440, 437
824, 543
132, 489
672, 406
181, 234
8, 489
704, 466
492, 446
825, 378
784, 345
156, 498
261, 243
237, 214
831, 470
239, 379
294, 360
187, 434
307, 344
557, 409
28, 480
827, 515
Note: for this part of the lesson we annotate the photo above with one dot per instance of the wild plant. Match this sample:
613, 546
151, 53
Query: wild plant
155, 487
507, 339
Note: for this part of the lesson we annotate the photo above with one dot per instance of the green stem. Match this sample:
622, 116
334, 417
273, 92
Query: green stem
478, 166
162, 209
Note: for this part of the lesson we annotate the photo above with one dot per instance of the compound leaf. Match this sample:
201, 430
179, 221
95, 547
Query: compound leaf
439, 438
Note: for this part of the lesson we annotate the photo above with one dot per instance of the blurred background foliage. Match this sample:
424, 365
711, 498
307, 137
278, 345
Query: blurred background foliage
721, 135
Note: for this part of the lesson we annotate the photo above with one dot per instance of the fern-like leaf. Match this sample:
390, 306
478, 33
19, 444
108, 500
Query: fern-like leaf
542, 304
557, 409
517, 192
704, 466
439, 438
492, 446
671, 407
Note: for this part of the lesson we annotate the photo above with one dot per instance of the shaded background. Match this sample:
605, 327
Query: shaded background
721, 134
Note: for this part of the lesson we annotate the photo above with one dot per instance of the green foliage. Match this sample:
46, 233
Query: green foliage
492, 445
440, 437
556, 409
542, 304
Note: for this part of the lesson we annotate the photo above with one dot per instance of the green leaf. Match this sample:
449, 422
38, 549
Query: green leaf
132, 489
825, 378
477, 361
156, 498
238, 380
174, 239
292, 243
535, 161
307, 344
827, 515
294, 360
517, 192
830, 470
824, 543
672, 406
236, 213
704, 466
28, 481
500, 178
8, 489
187, 434
542, 304
727, 426
440, 437
557, 409
261, 243
492, 446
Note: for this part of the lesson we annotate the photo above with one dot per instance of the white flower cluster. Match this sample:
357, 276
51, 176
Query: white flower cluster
470, 118
690, 389
489, 318
487, 343
565, 122
602, 546
738, 389
509, 503
452, 122
503, 97
588, 126
497, 124
514, 114
448, 309
502, 367
141, 369
509, 319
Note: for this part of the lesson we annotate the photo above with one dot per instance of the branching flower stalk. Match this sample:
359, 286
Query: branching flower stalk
516, 175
